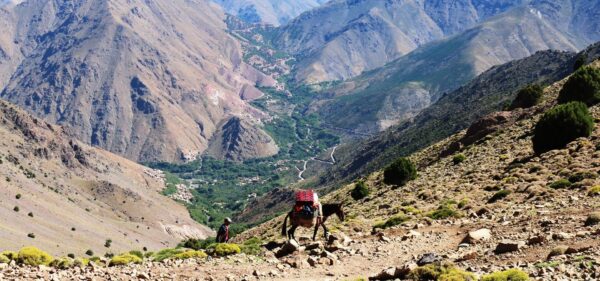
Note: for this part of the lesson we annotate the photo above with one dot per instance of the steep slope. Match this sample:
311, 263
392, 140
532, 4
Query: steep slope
489, 92
147, 80
455, 111
404, 87
73, 197
275, 12
433, 214
344, 38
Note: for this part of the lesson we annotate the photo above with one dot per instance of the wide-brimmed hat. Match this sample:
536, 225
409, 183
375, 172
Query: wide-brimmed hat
228, 220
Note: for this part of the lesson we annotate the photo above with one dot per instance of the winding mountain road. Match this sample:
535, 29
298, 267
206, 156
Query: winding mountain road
332, 162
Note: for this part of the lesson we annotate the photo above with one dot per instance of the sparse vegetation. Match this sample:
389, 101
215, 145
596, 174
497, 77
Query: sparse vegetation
593, 219
528, 97
560, 184
444, 211
507, 275
499, 195
583, 86
62, 263
108, 243
360, 191
189, 254
89, 252
579, 176
18, 196
393, 221
16, 209
30, 214
124, 259
400, 172
137, 253
166, 254
33, 256
12, 255
31, 235
561, 125
447, 272
251, 246
458, 158
594, 191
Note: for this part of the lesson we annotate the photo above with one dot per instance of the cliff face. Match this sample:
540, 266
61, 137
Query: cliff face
73, 197
147, 80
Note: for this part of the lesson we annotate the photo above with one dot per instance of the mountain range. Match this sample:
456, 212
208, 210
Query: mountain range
147, 80
275, 12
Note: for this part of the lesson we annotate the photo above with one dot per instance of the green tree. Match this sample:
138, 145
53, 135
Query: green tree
561, 125
528, 97
400, 172
360, 190
583, 86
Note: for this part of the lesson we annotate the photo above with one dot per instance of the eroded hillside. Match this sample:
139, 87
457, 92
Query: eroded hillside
64, 196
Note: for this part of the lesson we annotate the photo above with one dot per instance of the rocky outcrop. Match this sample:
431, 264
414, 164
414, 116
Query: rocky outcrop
239, 140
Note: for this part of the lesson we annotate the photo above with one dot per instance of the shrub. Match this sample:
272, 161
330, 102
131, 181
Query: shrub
579, 62
12, 255
62, 263
400, 172
33, 256
459, 158
89, 252
166, 254
446, 272
4, 259
579, 176
16, 209
252, 246
583, 86
189, 254
593, 219
124, 259
463, 203
499, 195
561, 125
137, 253
31, 235
224, 249
360, 191
95, 259
393, 221
197, 244
560, 184
30, 214
108, 243
507, 275
71, 256
528, 97
443, 212
594, 191
18, 196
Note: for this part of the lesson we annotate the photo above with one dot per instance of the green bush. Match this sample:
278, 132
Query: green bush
580, 61
124, 259
593, 219
507, 275
71, 256
594, 191
33, 256
18, 196
16, 208
12, 255
400, 172
225, 249
197, 244
137, 253
560, 184
579, 176
499, 195
252, 246
108, 243
458, 158
62, 263
583, 86
528, 97
360, 191
166, 254
393, 221
443, 212
561, 125
189, 254
442, 272
89, 252
4, 259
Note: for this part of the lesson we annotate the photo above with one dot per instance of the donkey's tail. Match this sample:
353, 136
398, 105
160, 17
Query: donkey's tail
284, 227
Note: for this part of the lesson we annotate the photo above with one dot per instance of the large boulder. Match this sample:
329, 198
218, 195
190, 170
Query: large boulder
477, 236
507, 246
288, 248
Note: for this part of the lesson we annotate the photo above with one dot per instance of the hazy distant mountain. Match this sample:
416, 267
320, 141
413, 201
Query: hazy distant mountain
150, 80
275, 12
344, 38
400, 90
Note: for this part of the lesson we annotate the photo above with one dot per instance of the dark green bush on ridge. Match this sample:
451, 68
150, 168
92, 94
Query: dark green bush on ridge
499, 195
561, 125
360, 191
528, 97
458, 158
583, 86
400, 172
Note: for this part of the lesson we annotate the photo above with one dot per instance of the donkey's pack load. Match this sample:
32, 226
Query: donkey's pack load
307, 206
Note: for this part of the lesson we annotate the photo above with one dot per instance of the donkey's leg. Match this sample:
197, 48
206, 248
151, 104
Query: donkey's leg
292, 232
315, 233
325, 231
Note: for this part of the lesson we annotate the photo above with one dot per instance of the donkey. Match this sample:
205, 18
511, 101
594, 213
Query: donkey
328, 210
